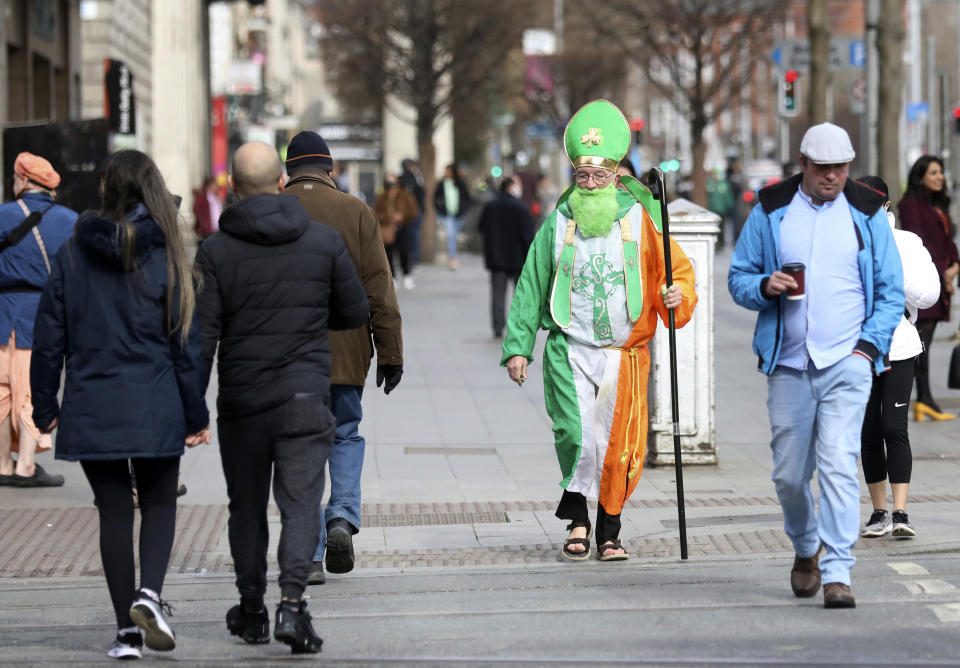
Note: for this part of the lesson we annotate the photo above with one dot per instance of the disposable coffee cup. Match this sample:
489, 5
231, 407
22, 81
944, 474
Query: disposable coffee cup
796, 272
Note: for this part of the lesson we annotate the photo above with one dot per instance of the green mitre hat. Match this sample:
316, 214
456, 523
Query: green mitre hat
598, 135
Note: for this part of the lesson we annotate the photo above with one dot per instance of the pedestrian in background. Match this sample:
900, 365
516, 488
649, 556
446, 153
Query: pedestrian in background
885, 439
119, 310
507, 230
274, 283
626, 168
820, 345
396, 208
925, 211
452, 199
351, 350
720, 201
412, 182
32, 229
207, 208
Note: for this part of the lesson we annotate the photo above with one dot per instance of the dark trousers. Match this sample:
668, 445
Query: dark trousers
157, 497
401, 247
885, 422
925, 330
498, 298
289, 443
413, 232
573, 507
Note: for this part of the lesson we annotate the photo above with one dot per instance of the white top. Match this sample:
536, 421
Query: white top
921, 287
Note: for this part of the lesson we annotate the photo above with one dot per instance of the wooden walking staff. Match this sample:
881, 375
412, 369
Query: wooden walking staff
655, 182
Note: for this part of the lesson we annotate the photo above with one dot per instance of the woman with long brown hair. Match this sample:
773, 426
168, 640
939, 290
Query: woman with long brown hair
119, 310
925, 211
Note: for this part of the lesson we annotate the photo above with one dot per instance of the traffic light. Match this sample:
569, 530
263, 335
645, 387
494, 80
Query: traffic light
956, 120
789, 97
637, 125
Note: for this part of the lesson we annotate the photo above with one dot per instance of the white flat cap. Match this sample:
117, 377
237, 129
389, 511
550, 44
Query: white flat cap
827, 144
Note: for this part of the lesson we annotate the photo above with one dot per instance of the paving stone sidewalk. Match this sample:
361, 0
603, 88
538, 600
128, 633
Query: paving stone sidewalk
460, 468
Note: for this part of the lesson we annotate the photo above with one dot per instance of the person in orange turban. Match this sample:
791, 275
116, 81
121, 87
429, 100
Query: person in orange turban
34, 169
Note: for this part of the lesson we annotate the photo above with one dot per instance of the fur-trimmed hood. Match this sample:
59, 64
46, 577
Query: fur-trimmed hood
105, 238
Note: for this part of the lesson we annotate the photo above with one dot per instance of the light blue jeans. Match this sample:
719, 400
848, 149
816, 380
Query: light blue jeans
452, 225
816, 417
345, 462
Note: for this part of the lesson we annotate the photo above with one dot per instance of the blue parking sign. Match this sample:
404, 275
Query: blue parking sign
858, 53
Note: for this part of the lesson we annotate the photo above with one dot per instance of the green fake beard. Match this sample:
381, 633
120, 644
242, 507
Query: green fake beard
594, 210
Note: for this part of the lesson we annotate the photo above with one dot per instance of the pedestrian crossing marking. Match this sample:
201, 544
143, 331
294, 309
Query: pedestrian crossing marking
908, 568
947, 612
918, 587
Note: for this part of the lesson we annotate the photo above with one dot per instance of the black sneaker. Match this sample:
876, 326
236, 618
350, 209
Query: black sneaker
40, 478
251, 625
901, 525
339, 546
293, 628
127, 645
878, 525
316, 575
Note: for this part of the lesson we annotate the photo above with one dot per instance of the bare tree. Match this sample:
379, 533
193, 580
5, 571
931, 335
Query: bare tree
819, 30
578, 76
698, 54
422, 53
890, 34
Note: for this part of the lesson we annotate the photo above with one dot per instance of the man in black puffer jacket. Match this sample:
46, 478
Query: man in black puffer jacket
273, 284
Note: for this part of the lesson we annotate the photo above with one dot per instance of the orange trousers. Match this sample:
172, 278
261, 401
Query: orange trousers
15, 400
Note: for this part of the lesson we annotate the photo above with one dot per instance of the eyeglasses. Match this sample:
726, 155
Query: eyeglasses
600, 178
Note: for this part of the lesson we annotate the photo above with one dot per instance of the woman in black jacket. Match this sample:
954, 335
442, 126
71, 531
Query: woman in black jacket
119, 310
452, 199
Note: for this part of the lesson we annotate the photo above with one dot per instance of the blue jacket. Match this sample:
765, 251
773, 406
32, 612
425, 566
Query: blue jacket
131, 389
22, 271
757, 254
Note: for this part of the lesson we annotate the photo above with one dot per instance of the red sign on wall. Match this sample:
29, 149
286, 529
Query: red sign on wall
218, 141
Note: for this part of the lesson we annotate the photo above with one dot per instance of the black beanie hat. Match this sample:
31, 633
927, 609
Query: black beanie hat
308, 148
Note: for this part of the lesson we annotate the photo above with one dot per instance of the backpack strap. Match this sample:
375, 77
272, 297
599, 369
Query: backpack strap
36, 233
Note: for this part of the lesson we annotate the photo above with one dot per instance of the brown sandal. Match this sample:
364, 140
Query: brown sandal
611, 545
577, 556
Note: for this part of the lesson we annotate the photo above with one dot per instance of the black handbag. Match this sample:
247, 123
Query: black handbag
953, 379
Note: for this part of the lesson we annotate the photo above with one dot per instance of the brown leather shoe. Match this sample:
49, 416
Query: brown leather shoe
805, 575
838, 595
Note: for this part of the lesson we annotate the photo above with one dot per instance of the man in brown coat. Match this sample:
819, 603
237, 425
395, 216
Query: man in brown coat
309, 165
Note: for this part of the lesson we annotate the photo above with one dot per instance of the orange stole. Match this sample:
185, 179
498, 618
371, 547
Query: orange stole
627, 444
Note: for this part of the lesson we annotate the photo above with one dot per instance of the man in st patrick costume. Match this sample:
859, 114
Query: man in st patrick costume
595, 280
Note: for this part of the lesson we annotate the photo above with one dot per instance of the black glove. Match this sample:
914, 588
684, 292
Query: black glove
388, 375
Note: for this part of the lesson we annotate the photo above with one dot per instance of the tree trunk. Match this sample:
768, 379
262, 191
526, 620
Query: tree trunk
890, 34
819, 61
428, 169
699, 173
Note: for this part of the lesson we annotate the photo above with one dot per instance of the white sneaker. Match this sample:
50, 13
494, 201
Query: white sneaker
147, 613
126, 645
408, 283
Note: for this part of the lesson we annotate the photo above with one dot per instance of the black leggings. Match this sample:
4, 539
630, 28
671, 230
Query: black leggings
402, 246
925, 330
573, 507
886, 422
157, 496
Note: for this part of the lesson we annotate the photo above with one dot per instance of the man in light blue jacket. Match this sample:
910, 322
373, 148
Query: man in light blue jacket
820, 335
